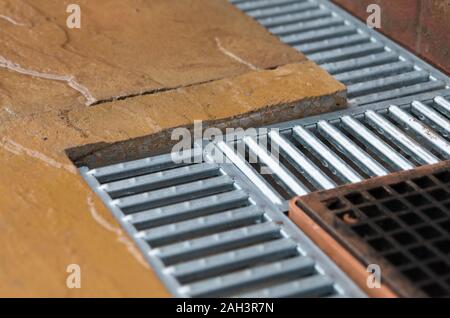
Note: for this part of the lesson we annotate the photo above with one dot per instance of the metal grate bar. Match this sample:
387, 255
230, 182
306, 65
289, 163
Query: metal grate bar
137, 167
161, 179
263, 4
351, 150
243, 165
400, 92
294, 17
173, 232
368, 73
182, 211
294, 185
306, 26
421, 129
318, 35
391, 82
324, 153
219, 242
139, 202
443, 105
408, 145
311, 171
360, 63
429, 115
331, 44
346, 53
371, 140
247, 278
316, 286
229, 261
297, 6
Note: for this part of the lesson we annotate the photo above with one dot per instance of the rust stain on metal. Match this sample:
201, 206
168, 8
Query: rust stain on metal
392, 221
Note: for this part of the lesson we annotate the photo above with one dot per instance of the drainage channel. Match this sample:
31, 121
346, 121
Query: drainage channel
374, 68
326, 151
218, 228
207, 232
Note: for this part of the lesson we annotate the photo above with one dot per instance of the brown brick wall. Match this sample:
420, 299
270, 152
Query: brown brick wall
423, 26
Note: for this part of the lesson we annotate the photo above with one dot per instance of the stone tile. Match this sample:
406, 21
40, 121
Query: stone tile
129, 47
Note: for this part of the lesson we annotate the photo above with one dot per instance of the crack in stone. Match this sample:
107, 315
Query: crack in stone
69, 79
234, 56
121, 237
12, 21
18, 149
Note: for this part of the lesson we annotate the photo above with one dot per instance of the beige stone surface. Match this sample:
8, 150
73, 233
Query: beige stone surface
127, 47
210, 61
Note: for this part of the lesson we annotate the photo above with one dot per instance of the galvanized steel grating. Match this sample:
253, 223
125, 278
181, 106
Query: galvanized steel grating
374, 68
208, 233
327, 151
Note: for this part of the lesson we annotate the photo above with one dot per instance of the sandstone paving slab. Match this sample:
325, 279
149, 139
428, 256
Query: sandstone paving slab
125, 48
49, 216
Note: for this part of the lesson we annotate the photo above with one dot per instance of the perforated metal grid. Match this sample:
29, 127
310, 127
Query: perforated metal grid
403, 220
374, 68
208, 233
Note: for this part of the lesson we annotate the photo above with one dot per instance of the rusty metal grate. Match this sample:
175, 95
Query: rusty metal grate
401, 222
208, 233
374, 68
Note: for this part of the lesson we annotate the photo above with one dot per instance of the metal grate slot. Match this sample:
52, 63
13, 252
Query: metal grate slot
207, 231
218, 242
201, 226
233, 260
360, 63
375, 68
138, 167
315, 286
347, 147
289, 19
182, 211
366, 74
283, 270
340, 54
331, 44
324, 22
162, 179
294, 185
312, 173
274, 10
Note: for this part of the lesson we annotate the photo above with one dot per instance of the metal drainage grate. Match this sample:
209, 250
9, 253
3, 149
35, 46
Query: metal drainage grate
374, 68
326, 151
401, 222
208, 234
